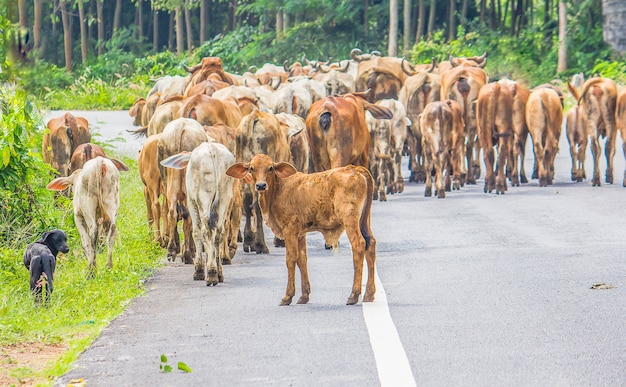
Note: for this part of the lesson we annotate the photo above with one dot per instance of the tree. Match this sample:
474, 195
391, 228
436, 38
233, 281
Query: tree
393, 28
431, 19
67, 34
83, 32
562, 62
37, 27
100, 17
421, 19
407, 26
452, 21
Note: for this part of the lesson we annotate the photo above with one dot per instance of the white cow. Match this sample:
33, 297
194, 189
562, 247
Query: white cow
96, 201
209, 198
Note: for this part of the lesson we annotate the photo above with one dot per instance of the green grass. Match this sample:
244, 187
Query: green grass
79, 308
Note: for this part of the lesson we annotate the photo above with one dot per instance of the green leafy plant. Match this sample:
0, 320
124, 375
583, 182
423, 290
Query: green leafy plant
166, 368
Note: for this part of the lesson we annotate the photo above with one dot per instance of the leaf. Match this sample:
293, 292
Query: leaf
163, 358
183, 367
167, 368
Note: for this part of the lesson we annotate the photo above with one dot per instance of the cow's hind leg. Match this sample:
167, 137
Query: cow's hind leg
291, 247
358, 253
370, 255
304, 271
89, 239
112, 232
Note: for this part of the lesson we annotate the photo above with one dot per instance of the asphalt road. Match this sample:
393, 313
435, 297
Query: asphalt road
483, 290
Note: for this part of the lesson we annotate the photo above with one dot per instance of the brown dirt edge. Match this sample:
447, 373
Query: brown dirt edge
22, 364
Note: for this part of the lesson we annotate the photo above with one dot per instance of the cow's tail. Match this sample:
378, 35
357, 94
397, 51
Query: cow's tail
492, 108
366, 212
214, 215
573, 91
72, 128
590, 83
102, 171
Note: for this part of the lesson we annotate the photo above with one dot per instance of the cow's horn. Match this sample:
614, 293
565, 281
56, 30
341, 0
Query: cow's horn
252, 69
376, 53
345, 67
411, 70
356, 54
320, 67
453, 61
285, 66
193, 68
434, 65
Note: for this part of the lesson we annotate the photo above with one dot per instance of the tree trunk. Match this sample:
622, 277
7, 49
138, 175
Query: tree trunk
67, 35
562, 63
421, 21
452, 21
286, 21
188, 26
279, 24
431, 19
406, 35
204, 20
155, 30
464, 14
139, 18
365, 17
483, 11
180, 38
492, 14
614, 24
21, 12
393, 28
37, 25
100, 15
170, 32
83, 32
117, 16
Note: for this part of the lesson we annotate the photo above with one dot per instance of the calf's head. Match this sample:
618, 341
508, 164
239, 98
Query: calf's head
261, 172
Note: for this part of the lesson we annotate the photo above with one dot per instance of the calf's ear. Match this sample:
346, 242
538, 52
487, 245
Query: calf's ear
119, 165
177, 161
61, 183
238, 170
283, 169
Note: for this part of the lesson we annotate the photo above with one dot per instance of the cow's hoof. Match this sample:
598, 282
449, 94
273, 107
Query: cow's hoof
198, 275
171, 257
187, 258
303, 299
286, 301
261, 249
212, 278
595, 182
368, 297
226, 261
247, 248
353, 299
428, 192
279, 242
220, 277
441, 194
523, 179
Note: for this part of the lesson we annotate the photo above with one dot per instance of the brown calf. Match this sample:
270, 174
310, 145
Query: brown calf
64, 134
544, 115
294, 203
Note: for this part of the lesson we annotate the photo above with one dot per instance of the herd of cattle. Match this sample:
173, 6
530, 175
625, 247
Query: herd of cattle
309, 146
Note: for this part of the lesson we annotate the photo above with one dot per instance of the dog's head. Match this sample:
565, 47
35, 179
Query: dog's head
56, 240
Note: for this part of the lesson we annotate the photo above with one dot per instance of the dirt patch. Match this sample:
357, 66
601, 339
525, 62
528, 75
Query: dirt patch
22, 364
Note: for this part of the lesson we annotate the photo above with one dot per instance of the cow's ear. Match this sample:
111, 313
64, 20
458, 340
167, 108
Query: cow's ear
178, 161
379, 112
120, 165
61, 183
284, 169
238, 170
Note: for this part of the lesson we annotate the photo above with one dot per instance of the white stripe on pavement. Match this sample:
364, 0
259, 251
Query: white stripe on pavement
391, 361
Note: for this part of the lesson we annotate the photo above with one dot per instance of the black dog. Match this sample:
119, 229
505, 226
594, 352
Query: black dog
40, 259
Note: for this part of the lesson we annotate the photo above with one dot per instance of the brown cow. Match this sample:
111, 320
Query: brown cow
443, 142
576, 137
462, 84
294, 129
148, 166
494, 118
598, 99
206, 67
88, 151
182, 134
330, 202
544, 114
388, 138
259, 132
338, 134
136, 111
385, 79
96, 201
620, 117
64, 134
418, 91
472, 61
209, 111
520, 95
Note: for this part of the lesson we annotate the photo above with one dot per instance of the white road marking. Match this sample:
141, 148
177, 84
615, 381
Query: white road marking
391, 361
